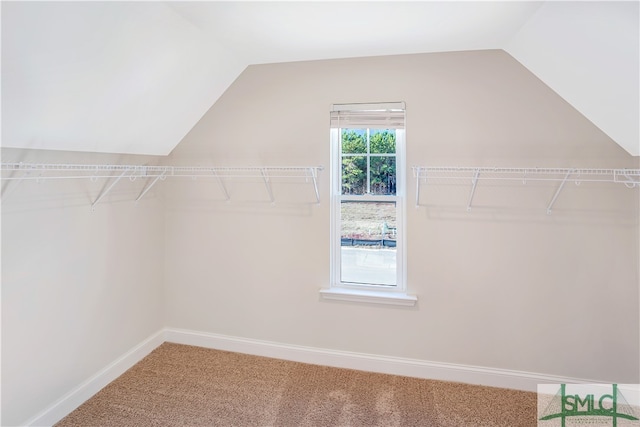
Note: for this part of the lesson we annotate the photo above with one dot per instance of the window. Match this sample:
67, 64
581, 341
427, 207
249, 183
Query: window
367, 203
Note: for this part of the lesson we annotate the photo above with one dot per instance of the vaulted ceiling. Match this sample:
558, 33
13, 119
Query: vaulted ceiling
135, 77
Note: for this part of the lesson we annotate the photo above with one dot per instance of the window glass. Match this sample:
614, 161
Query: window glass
354, 175
383, 141
368, 161
383, 175
368, 242
354, 141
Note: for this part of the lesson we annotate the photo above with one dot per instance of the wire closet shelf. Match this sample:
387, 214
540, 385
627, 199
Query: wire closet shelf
438, 174
18, 171
72, 171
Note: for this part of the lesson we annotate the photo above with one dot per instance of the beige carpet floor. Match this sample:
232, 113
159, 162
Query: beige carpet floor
178, 385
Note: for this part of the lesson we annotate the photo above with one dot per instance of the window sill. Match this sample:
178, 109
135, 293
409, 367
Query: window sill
376, 297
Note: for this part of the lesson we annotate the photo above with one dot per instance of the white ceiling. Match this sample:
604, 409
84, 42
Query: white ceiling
266, 32
135, 77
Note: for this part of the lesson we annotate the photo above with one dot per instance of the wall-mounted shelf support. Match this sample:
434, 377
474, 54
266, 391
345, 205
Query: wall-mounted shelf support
474, 183
107, 189
8, 190
223, 187
629, 177
148, 187
314, 178
267, 184
417, 171
555, 196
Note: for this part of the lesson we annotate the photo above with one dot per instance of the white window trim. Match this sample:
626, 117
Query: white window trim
369, 296
392, 295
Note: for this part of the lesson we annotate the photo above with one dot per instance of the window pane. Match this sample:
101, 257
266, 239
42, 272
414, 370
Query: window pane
354, 175
383, 175
383, 141
354, 141
368, 243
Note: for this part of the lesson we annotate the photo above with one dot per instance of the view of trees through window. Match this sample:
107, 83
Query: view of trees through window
368, 161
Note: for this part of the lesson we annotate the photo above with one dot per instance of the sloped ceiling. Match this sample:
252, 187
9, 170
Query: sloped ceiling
589, 54
135, 77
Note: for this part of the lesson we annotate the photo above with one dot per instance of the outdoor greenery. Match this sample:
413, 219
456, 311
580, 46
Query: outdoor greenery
381, 167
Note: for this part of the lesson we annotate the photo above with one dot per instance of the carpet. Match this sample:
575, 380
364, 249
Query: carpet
180, 385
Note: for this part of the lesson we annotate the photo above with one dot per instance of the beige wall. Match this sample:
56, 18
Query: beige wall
79, 288
504, 286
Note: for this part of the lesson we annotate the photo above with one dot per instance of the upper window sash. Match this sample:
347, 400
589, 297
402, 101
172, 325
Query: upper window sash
373, 152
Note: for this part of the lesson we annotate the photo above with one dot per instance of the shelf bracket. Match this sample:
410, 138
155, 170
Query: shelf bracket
555, 196
107, 189
148, 187
267, 184
222, 186
313, 172
418, 169
474, 183
628, 180
9, 188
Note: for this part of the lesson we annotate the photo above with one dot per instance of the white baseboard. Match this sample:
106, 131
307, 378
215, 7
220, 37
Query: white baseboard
492, 377
76, 397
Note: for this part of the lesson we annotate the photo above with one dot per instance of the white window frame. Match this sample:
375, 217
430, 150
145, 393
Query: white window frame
357, 292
